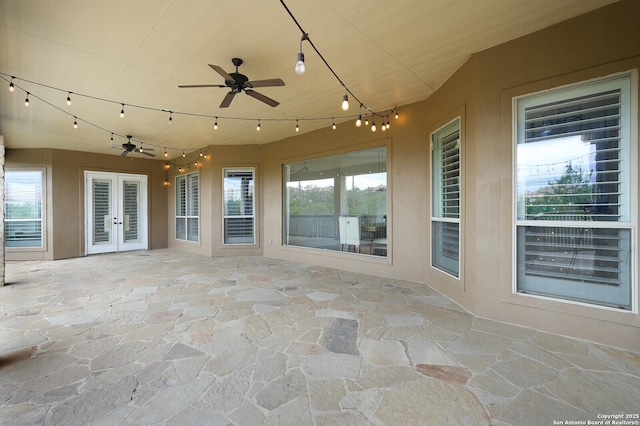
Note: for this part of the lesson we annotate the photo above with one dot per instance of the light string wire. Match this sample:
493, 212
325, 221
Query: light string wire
305, 36
12, 79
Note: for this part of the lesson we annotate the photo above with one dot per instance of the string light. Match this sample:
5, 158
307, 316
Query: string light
359, 121
258, 128
200, 153
297, 126
334, 123
11, 87
183, 154
69, 99
141, 148
170, 117
345, 103
165, 152
26, 100
75, 123
366, 120
396, 114
373, 125
300, 67
111, 137
122, 112
215, 125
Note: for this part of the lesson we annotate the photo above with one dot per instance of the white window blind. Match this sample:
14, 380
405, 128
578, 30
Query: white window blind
239, 219
23, 208
574, 210
445, 218
187, 207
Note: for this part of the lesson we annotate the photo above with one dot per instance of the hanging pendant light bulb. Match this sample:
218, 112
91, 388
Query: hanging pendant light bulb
75, 123
258, 128
345, 102
396, 114
141, 149
334, 123
69, 99
366, 121
122, 112
11, 87
215, 124
297, 126
359, 121
183, 154
26, 100
300, 67
165, 152
373, 125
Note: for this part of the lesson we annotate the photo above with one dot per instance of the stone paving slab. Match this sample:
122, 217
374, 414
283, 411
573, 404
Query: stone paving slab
179, 339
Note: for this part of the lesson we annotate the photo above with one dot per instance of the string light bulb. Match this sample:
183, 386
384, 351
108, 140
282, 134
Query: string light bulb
388, 124
141, 148
111, 137
366, 121
11, 87
170, 117
345, 102
122, 112
69, 99
75, 122
200, 153
359, 121
183, 154
297, 126
396, 114
258, 128
373, 125
165, 152
334, 123
215, 124
26, 100
300, 67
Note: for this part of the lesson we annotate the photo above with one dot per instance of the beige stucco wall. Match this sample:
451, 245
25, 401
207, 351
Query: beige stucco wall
64, 192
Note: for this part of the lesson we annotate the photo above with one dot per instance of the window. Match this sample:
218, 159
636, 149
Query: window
338, 202
239, 206
23, 208
445, 213
187, 207
574, 216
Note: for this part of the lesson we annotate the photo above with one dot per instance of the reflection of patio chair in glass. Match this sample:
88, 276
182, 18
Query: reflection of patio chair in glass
349, 227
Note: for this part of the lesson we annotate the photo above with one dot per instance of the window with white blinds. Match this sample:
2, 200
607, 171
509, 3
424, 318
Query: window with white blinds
23, 208
187, 207
445, 212
239, 206
574, 212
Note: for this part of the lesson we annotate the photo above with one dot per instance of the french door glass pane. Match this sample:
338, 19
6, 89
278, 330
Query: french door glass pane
131, 211
102, 211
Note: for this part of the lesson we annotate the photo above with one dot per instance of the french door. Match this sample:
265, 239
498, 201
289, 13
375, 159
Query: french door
116, 212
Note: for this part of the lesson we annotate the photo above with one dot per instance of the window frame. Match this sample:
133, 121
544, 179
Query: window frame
568, 92
187, 202
43, 209
443, 132
252, 216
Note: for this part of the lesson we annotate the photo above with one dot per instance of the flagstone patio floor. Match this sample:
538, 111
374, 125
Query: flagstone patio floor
166, 337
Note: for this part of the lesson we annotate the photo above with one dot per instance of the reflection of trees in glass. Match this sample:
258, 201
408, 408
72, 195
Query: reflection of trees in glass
569, 194
312, 200
24, 210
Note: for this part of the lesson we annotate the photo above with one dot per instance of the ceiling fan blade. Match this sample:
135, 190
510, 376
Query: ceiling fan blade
222, 72
266, 83
227, 100
261, 97
190, 86
124, 153
145, 153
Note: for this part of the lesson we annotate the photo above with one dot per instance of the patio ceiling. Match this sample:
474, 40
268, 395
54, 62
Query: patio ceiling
136, 53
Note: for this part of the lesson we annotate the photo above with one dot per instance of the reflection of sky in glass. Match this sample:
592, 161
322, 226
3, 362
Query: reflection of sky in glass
371, 180
545, 161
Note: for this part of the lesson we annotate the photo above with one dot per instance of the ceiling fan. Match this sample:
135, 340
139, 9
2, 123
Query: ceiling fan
239, 82
129, 147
